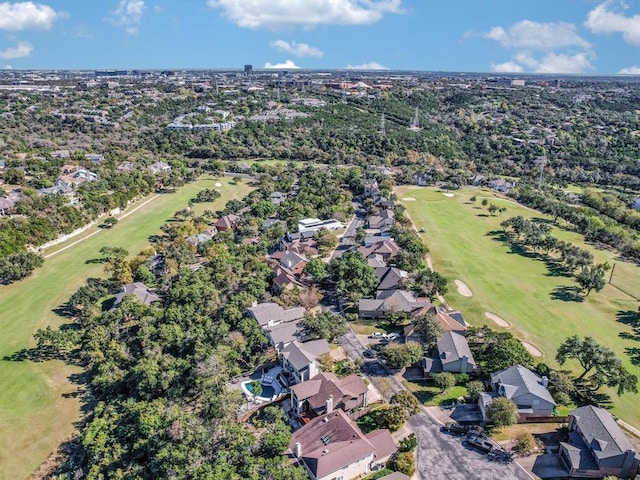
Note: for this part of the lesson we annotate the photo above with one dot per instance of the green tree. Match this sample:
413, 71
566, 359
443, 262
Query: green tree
407, 400
328, 325
398, 355
353, 275
429, 330
392, 417
525, 444
405, 463
317, 269
592, 277
502, 412
444, 380
474, 389
256, 388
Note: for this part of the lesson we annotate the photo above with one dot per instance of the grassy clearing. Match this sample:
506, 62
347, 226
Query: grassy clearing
38, 402
464, 242
431, 395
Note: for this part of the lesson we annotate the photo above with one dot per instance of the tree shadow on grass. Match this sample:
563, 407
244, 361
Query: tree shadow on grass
93, 261
632, 319
567, 294
634, 355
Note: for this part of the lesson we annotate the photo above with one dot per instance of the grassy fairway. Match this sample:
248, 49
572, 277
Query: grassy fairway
520, 289
37, 406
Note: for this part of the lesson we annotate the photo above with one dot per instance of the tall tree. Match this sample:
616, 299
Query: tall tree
353, 275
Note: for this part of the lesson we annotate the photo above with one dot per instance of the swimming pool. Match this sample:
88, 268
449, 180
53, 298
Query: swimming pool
267, 390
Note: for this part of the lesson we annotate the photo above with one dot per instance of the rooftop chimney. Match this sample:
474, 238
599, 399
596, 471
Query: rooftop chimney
545, 382
330, 404
298, 449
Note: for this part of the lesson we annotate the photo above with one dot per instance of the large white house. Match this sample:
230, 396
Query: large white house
315, 224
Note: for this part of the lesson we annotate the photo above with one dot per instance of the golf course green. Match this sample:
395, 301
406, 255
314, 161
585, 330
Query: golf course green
465, 243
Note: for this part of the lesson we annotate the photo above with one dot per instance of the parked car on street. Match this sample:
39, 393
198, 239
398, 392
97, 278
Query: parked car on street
371, 353
377, 335
480, 442
455, 428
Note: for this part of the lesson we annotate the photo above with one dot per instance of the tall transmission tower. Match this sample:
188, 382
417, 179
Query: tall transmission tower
415, 121
382, 125
541, 163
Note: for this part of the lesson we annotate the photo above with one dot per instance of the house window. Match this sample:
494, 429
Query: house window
535, 402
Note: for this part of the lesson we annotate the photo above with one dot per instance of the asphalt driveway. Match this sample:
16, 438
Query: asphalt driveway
445, 457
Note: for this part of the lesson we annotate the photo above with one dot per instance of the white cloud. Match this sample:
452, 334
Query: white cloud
297, 49
275, 14
128, 14
8, 67
537, 36
550, 63
367, 66
23, 49
602, 20
286, 64
27, 15
635, 70
158, 9
507, 67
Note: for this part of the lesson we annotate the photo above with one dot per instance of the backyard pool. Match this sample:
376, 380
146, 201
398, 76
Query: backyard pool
267, 390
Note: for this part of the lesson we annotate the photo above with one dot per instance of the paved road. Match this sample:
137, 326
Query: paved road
444, 457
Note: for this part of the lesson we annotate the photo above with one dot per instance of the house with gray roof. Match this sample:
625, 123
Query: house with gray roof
501, 185
384, 218
283, 334
333, 447
277, 197
159, 167
270, 314
636, 203
390, 301
300, 360
390, 278
525, 388
451, 355
597, 446
6, 204
140, 291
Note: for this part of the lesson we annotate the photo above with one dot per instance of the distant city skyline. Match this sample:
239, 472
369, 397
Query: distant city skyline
501, 36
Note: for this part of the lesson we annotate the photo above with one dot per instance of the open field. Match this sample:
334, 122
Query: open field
465, 243
38, 405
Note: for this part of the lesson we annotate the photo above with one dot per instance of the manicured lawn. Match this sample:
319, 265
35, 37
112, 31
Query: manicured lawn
38, 404
429, 394
465, 243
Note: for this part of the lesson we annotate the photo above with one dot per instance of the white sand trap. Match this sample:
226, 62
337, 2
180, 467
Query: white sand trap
501, 322
218, 184
408, 199
463, 289
450, 195
532, 349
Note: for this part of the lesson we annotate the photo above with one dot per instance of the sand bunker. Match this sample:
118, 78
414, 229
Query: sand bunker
463, 289
408, 199
501, 322
448, 194
532, 349
218, 184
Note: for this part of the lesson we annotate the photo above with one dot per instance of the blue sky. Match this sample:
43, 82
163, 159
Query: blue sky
545, 36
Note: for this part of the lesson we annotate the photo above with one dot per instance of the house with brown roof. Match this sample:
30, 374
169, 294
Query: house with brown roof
450, 321
295, 262
325, 391
391, 301
285, 280
333, 447
227, 222
300, 360
385, 248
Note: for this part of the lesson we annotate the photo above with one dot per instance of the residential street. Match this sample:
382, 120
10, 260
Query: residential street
444, 457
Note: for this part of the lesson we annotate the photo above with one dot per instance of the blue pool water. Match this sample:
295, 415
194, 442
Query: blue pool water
267, 390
